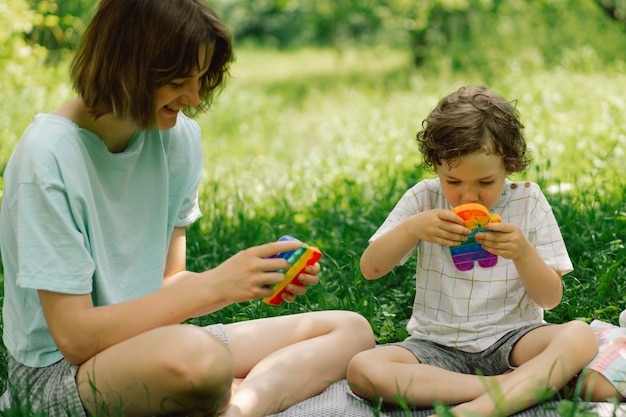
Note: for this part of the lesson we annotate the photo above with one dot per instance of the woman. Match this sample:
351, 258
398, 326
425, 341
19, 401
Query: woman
92, 231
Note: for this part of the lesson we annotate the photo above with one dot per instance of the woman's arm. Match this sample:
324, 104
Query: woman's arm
81, 329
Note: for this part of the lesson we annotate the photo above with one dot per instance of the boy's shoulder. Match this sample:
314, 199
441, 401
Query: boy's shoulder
519, 189
521, 197
514, 185
425, 194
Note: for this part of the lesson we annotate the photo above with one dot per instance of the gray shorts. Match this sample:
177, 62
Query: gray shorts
52, 390
492, 361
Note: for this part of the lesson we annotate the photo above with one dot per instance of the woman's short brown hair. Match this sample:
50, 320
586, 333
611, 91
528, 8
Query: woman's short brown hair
473, 119
133, 47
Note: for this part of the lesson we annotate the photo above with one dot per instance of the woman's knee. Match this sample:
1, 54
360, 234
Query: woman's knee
350, 329
356, 327
200, 362
168, 368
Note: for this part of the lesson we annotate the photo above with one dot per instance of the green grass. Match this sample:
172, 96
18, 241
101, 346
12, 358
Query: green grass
320, 145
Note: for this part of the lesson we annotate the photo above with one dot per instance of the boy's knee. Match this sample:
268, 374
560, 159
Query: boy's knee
361, 375
579, 335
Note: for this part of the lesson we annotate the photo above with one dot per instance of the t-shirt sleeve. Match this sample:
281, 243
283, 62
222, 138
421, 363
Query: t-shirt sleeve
547, 238
408, 205
45, 231
186, 167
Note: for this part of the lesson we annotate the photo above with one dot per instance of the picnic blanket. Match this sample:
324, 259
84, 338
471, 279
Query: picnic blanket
339, 401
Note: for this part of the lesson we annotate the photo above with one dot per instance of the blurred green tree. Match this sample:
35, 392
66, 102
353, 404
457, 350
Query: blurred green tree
16, 19
58, 24
615, 9
462, 33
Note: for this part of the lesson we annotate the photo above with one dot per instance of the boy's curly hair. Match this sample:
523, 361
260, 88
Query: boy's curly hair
473, 119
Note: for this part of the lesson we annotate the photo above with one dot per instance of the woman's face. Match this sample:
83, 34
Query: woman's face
180, 92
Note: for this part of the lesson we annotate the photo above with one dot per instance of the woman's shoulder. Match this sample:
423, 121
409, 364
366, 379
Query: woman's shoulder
53, 125
48, 134
48, 142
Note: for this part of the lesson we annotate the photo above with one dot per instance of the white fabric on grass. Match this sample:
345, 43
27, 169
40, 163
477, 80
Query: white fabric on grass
339, 401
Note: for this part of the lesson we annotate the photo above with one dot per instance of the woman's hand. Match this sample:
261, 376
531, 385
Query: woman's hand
308, 277
251, 273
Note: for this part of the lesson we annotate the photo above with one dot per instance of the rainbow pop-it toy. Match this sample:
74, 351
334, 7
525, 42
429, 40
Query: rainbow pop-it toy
298, 259
475, 216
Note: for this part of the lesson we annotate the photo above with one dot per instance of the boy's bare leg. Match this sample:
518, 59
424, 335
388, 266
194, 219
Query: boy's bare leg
548, 357
392, 372
284, 360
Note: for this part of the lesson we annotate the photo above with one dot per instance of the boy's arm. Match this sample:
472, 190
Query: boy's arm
541, 281
384, 253
436, 226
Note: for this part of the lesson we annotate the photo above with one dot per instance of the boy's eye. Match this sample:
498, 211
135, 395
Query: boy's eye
487, 182
176, 84
453, 182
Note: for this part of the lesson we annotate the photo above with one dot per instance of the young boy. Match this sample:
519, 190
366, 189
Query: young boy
477, 337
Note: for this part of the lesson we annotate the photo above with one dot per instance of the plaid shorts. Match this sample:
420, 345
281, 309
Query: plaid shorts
52, 390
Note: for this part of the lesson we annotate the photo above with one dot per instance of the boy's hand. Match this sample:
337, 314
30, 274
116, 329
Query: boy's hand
509, 242
441, 227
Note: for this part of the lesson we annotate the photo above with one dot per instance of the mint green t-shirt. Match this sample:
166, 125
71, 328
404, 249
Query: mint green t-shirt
77, 219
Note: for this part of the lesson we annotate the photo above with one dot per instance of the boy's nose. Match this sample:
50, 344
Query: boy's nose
469, 196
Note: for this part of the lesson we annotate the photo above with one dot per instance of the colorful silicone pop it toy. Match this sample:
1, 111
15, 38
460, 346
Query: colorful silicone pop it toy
298, 259
475, 216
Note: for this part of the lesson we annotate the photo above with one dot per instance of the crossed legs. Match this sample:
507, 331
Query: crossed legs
269, 365
545, 358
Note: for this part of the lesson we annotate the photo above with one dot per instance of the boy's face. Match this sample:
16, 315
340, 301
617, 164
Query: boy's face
474, 178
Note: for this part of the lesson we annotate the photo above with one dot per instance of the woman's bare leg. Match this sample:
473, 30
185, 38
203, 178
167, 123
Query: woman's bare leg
284, 360
169, 369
